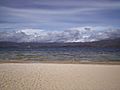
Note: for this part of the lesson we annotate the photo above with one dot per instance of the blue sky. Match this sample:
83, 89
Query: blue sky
58, 14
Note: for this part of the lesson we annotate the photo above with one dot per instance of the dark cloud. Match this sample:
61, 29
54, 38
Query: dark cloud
59, 14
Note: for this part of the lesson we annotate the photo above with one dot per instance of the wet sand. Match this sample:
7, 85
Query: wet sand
45, 76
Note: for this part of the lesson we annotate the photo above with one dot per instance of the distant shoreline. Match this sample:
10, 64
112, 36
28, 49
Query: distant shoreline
63, 62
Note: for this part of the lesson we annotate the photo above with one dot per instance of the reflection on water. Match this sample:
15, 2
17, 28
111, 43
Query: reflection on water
66, 53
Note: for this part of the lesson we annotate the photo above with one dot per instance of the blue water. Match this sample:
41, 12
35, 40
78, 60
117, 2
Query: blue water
65, 53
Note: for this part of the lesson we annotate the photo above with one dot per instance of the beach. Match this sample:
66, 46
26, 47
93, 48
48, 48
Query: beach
48, 76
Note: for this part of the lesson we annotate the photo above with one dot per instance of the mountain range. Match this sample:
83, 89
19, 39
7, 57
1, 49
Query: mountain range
111, 43
81, 34
74, 37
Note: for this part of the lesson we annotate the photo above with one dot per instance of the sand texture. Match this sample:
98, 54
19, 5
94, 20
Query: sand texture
38, 76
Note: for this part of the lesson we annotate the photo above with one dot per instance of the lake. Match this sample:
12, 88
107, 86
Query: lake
61, 54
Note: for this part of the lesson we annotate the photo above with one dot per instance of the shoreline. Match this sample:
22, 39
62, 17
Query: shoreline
63, 62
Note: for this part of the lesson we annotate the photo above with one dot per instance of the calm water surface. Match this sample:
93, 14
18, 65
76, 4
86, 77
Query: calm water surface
66, 53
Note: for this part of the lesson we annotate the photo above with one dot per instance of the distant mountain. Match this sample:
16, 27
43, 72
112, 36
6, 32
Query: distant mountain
81, 34
102, 43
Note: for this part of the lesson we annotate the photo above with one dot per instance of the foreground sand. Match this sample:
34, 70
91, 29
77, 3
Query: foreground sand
38, 76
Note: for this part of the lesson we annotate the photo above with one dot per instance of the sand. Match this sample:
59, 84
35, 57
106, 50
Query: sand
39, 76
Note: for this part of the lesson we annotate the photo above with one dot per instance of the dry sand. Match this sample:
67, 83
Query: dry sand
38, 76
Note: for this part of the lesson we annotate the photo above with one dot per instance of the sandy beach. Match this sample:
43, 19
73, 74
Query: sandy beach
39, 76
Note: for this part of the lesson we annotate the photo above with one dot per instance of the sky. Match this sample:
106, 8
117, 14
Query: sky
58, 15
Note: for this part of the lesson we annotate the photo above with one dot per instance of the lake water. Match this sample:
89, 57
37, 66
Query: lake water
65, 53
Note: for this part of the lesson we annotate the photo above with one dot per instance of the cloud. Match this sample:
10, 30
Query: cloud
59, 14
78, 34
61, 4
